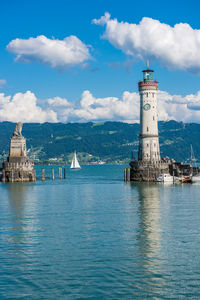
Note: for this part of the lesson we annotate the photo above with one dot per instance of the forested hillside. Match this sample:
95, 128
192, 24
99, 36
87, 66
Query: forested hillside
108, 141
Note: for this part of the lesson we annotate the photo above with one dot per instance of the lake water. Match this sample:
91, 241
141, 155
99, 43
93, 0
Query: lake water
92, 236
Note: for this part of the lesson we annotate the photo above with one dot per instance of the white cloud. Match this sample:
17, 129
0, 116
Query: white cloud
58, 101
26, 107
126, 108
103, 20
175, 47
60, 54
109, 108
176, 107
2, 83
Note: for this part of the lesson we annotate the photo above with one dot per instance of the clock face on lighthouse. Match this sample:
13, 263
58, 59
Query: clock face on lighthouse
147, 106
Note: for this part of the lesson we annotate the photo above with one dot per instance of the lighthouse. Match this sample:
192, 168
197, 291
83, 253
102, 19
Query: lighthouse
149, 150
149, 165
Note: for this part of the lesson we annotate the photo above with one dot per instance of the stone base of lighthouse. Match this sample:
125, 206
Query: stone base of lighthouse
147, 171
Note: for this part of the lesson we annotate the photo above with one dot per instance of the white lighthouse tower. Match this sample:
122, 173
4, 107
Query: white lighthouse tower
149, 149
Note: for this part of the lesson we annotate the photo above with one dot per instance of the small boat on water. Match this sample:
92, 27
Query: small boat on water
75, 163
165, 177
195, 178
185, 179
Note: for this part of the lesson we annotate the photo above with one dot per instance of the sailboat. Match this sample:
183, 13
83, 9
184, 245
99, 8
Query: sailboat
195, 177
75, 163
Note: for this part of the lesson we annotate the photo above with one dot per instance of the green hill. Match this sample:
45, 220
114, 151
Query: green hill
108, 141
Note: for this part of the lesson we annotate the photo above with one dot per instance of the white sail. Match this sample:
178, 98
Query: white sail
75, 163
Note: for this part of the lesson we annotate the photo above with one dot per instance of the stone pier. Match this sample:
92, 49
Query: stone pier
147, 171
18, 168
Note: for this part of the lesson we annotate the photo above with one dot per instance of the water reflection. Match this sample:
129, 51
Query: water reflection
149, 234
17, 193
149, 212
21, 214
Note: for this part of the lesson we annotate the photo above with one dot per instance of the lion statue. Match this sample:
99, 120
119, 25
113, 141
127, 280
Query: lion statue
18, 129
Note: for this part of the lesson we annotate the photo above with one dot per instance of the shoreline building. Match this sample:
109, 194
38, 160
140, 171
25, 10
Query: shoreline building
149, 164
18, 168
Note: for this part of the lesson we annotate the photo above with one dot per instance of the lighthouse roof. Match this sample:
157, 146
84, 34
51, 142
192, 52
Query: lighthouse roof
148, 70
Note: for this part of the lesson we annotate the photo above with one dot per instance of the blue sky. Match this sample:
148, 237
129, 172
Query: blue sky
107, 72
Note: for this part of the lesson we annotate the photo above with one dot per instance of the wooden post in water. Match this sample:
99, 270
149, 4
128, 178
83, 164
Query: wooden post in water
3, 176
129, 174
60, 173
12, 176
53, 177
125, 174
43, 174
64, 173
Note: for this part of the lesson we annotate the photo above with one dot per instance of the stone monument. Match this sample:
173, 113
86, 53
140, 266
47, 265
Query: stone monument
18, 168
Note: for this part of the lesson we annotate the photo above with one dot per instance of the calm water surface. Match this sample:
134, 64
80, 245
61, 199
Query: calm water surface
92, 236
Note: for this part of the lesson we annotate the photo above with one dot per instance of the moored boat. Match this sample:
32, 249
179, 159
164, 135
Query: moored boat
185, 179
165, 177
195, 178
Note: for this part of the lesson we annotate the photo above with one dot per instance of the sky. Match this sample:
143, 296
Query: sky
80, 61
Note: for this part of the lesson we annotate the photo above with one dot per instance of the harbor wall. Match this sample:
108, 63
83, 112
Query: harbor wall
147, 171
